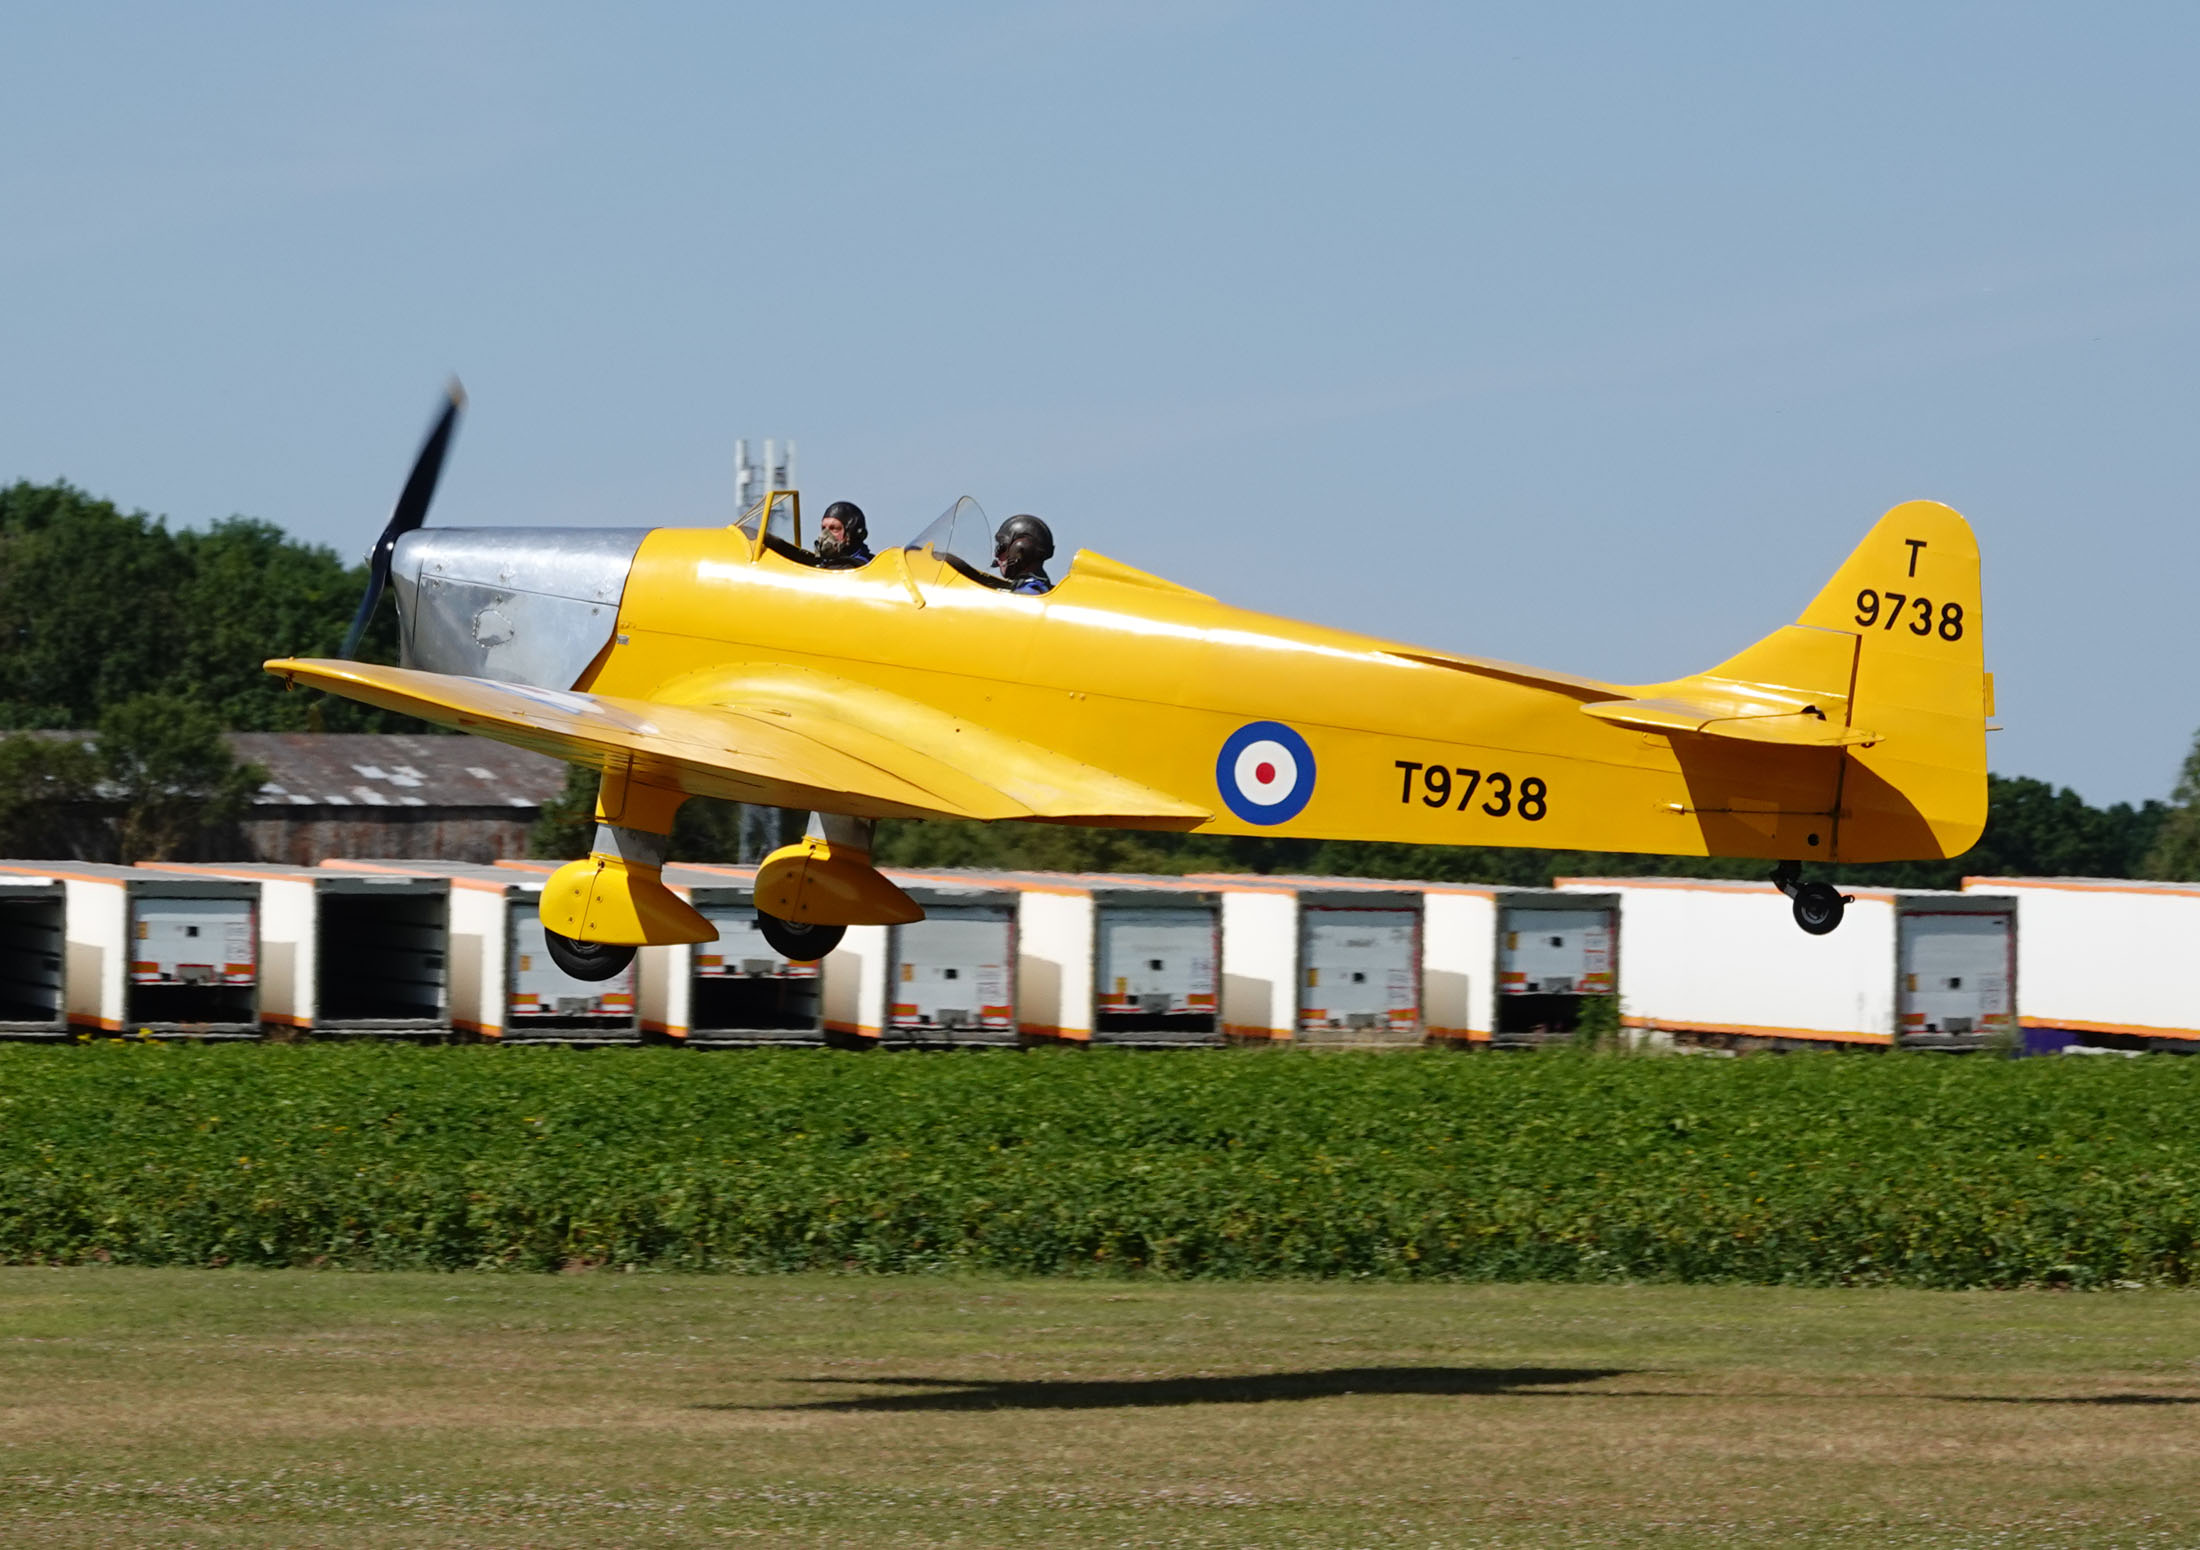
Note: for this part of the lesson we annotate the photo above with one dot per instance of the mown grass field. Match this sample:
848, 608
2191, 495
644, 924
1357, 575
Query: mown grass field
287, 1408
1827, 1170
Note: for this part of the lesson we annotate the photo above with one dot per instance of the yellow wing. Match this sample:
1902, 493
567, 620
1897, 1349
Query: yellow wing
790, 739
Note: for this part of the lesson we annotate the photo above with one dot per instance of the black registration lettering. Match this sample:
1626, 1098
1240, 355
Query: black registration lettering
1432, 785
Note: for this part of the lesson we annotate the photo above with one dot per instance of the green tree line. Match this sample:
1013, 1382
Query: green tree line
148, 641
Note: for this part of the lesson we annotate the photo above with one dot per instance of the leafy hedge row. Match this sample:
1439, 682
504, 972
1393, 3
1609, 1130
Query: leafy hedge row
1814, 1169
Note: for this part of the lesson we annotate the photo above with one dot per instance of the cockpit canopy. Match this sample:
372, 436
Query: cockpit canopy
962, 530
962, 536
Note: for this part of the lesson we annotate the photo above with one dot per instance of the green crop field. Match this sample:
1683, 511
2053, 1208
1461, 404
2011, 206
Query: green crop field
1802, 1170
269, 1410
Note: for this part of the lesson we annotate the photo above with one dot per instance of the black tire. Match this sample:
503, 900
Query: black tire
1819, 907
797, 939
588, 960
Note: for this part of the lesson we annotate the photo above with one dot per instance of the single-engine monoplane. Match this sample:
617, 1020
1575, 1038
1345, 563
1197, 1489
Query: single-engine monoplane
724, 662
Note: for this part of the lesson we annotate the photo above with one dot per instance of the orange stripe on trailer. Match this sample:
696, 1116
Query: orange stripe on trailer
1756, 1031
2136, 1030
1459, 1035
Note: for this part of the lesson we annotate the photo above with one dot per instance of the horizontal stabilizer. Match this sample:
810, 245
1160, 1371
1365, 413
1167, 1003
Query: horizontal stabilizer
1797, 729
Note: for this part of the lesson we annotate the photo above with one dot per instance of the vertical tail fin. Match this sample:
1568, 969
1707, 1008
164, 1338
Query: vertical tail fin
1909, 594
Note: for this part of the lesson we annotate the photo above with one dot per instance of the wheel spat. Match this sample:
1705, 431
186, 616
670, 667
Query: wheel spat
411, 512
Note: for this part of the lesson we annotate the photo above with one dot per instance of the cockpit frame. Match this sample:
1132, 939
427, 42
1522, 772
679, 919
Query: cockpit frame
773, 521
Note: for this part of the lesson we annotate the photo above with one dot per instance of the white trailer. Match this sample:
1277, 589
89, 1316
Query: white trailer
158, 952
951, 977
1260, 957
1722, 963
736, 990
33, 953
503, 983
1515, 966
347, 953
1115, 959
2106, 963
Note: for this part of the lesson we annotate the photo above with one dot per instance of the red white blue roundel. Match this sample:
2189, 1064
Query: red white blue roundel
1265, 772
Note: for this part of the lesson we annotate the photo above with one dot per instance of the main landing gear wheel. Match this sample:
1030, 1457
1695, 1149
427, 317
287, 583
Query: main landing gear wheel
588, 960
1819, 907
798, 939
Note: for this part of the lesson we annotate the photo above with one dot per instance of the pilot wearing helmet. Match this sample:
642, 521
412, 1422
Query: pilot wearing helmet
843, 537
1021, 548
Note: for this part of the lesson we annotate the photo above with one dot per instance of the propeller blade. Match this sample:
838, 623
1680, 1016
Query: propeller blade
411, 511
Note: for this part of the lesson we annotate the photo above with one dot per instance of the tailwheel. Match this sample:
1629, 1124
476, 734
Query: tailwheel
1819, 907
799, 940
588, 960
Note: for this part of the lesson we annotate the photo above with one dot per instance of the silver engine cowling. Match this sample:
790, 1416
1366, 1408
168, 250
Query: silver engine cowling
521, 605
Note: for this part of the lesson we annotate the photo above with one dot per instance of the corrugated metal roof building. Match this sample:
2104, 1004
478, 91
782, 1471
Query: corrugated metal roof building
372, 794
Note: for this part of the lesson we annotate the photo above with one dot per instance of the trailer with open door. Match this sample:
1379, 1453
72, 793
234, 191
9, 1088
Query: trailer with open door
1359, 964
503, 982
349, 953
34, 928
1716, 962
157, 952
1516, 967
951, 977
1115, 958
738, 990
1157, 956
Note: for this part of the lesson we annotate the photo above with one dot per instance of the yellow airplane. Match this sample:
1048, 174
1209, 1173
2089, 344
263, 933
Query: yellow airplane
724, 662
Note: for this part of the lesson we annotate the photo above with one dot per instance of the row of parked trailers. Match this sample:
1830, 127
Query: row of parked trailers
426, 949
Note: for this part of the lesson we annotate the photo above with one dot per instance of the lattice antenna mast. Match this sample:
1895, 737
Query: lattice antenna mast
753, 478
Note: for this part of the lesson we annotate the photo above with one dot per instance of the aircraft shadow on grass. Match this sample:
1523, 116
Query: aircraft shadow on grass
2070, 1399
1236, 1389
937, 1394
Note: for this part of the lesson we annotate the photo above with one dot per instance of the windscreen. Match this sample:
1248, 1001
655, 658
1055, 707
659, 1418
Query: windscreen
780, 521
962, 530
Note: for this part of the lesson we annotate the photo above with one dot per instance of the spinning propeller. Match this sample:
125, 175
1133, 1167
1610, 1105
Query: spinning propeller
412, 510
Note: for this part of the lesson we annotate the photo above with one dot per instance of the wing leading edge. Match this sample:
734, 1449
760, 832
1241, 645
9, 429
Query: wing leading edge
787, 740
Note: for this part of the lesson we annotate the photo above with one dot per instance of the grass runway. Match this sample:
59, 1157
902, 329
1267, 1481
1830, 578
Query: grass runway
152, 1407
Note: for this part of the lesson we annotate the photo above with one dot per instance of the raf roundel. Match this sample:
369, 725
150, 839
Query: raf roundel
1265, 773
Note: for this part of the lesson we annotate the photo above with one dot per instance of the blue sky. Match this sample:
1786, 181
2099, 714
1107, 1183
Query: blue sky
1592, 336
